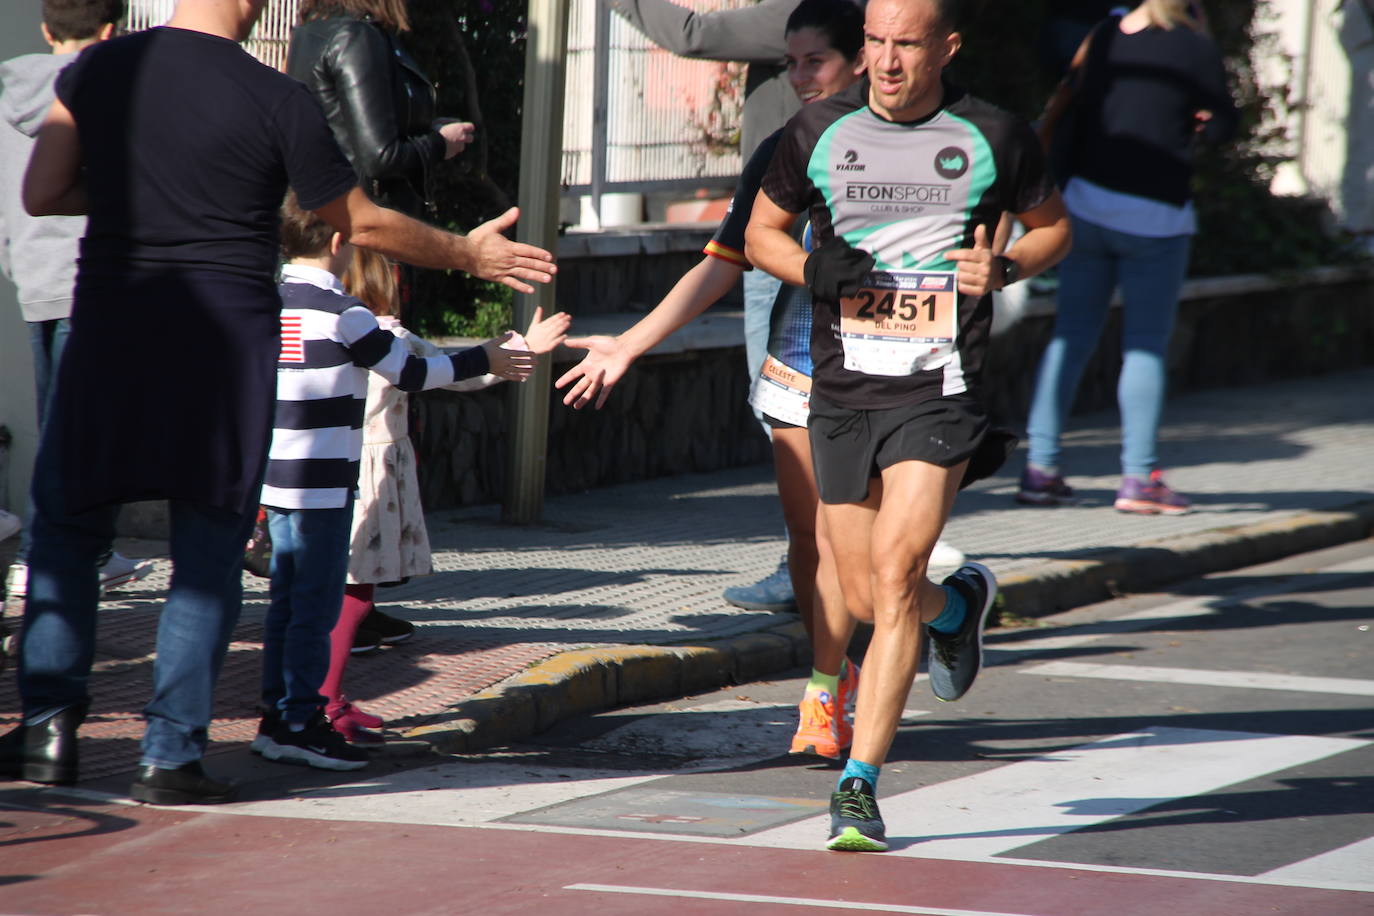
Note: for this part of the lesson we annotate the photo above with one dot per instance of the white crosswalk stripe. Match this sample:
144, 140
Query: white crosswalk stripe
1254, 680
999, 810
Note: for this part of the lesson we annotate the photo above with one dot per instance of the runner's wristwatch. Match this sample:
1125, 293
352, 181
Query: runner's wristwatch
1010, 270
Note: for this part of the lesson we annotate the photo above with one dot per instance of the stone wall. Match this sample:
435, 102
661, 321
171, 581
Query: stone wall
672, 414
684, 410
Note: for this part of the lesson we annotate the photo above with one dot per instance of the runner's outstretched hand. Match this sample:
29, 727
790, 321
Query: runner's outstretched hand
836, 269
975, 264
604, 365
499, 259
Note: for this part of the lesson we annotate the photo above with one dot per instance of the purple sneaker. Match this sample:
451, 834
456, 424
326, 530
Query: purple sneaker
1041, 489
1150, 497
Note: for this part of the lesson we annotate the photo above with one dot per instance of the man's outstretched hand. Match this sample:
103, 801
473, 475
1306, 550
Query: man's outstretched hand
515, 264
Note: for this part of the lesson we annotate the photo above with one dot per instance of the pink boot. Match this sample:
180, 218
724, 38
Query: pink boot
355, 725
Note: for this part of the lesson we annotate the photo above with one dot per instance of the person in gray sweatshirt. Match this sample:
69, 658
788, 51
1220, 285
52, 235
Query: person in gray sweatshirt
38, 254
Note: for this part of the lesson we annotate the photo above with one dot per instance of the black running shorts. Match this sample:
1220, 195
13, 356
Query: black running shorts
774, 423
851, 447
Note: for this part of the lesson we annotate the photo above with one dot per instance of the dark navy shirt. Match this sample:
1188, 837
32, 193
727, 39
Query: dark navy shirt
188, 146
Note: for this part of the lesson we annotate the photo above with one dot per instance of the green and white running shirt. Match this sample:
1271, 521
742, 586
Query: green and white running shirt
906, 193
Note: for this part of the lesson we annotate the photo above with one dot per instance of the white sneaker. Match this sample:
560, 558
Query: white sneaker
9, 524
120, 570
17, 581
946, 554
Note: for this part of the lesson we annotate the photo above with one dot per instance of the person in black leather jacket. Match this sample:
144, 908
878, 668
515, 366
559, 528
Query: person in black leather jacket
380, 105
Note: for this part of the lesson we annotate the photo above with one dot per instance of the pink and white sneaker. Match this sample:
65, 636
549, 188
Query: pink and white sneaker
1150, 497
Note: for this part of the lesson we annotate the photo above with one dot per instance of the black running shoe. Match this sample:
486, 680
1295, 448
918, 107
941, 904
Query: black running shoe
855, 824
390, 630
317, 745
954, 659
188, 784
365, 641
267, 726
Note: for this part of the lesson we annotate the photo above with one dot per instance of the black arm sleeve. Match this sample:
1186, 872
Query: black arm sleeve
1214, 96
470, 363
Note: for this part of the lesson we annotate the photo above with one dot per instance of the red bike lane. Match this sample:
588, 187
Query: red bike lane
69, 854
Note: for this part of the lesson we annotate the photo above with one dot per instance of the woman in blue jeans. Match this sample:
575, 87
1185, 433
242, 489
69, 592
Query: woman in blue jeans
1144, 88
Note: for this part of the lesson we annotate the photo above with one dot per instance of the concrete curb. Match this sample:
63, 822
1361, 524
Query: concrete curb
583, 681
1059, 585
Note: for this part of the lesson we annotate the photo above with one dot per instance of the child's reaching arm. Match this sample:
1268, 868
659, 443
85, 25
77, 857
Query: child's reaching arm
544, 334
512, 364
386, 354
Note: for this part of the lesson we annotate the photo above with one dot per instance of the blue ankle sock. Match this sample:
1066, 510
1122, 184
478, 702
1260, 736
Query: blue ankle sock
952, 617
865, 771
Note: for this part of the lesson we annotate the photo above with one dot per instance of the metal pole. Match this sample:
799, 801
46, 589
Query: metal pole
601, 88
541, 152
1309, 30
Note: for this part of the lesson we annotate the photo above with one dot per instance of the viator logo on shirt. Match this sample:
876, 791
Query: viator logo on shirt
851, 163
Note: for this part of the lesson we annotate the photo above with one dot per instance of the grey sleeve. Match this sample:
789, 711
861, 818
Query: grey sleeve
752, 33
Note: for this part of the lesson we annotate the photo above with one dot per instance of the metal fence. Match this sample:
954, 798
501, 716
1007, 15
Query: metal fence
267, 43
1323, 55
635, 118
639, 118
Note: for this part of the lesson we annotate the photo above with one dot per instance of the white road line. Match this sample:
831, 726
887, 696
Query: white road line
995, 811
441, 796
1347, 868
1254, 680
785, 901
1271, 879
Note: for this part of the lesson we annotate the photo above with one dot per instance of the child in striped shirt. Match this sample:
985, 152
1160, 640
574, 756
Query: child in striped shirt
330, 343
390, 543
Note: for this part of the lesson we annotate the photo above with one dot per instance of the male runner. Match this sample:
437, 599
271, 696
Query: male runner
904, 177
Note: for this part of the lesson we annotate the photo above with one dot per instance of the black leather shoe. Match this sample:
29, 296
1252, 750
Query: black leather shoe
188, 784
44, 753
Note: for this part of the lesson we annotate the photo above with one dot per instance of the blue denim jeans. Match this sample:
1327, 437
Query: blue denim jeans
1150, 272
48, 339
309, 565
197, 619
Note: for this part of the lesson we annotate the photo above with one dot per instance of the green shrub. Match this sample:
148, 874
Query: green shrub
474, 52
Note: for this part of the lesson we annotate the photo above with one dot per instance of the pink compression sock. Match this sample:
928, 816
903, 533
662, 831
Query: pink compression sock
357, 602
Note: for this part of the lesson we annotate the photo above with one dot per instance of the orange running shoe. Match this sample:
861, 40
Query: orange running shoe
820, 731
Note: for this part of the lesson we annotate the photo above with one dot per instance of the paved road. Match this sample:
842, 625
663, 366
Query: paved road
1202, 751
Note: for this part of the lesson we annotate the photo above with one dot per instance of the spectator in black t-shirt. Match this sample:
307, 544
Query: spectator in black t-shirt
179, 147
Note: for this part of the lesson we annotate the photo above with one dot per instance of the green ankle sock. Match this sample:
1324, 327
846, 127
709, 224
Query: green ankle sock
830, 683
